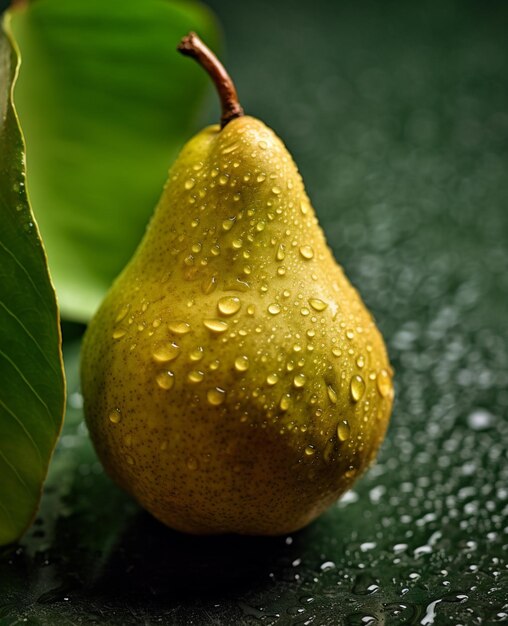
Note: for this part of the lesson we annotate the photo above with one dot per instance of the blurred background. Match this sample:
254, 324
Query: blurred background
397, 115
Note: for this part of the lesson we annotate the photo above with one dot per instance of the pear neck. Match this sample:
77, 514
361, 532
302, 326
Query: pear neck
192, 46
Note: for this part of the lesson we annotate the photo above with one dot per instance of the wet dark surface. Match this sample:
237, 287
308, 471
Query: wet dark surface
398, 119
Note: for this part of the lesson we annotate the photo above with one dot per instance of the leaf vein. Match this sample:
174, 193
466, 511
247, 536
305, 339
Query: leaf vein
17, 319
15, 472
23, 269
8, 515
27, 382
24, 429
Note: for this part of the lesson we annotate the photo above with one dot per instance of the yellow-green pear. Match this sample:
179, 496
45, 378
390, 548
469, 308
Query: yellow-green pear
233, 379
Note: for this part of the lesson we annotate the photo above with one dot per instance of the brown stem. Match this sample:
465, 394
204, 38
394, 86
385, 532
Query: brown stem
192, 46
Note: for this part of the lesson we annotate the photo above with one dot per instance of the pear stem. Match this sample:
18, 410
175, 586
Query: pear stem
192, 46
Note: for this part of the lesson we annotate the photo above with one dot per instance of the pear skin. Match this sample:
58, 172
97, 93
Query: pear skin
233, 379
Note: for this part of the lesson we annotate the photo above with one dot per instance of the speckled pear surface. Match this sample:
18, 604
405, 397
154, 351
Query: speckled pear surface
233, 379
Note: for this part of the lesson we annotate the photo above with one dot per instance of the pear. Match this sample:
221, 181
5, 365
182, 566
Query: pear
233, 379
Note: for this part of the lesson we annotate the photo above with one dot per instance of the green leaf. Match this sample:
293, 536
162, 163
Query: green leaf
105, 103
32, 387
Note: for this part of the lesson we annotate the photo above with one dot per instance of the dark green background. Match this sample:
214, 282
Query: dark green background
397, 116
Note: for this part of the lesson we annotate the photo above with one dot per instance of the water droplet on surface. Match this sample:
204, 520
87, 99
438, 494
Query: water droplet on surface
121, 314
165, 380
195, 376
350, 334
216, 396
360, 361
480, 419
384, 384
285, 402
179, 327
166, 352
274, 309
332, 394
299, 380
357, 388
327, 566
272, 379
281, 252
197, 354
242, 364
276, 190
115, 416
307, 252
189, 184
317, 304
228, 224
216, 326
118, 333
343, 430
229, 149
229, 305
310, 451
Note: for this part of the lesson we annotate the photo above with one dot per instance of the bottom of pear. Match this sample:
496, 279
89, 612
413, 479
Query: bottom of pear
247, 530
